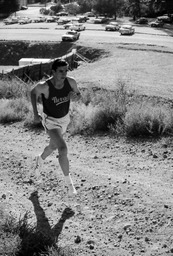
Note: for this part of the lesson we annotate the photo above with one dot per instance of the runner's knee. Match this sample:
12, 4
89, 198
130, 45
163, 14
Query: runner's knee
53, 146
62, 150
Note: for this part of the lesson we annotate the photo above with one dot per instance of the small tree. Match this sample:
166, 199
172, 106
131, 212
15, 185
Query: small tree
56, 8
85, 5
9, 6
72, 8
108, 7
134, 8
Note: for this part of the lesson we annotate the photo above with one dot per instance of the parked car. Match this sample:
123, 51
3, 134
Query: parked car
156, 23
103, 19
12, 20
89, 14
71, 35
77, 27
36, 20
127, 30
112, 26
63, 21
165, 19
68, 25
52, 19
39, 19
24, 20
141, 20
82, 18
23, 7
7, 21
62, 14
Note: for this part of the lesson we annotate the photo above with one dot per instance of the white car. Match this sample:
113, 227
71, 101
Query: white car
127, 30
39, 19
68, 25
63, 21
156, 23
24, 20
52, 19
71, 35
112, 26
11, 20
77, 27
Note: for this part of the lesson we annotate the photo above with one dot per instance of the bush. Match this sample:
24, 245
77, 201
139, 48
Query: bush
100, 110
13, 110
56, 8
44, 11
14, 88
146, 119
21, 238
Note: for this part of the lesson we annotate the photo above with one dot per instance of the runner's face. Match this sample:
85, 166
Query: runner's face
61, 73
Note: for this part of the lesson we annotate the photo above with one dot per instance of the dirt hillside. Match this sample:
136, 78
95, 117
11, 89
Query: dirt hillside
124, 201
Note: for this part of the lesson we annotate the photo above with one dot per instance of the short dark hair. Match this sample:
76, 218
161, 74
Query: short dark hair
59, 63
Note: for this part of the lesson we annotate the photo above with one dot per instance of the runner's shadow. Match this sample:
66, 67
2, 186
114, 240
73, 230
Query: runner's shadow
43, 225
39, 238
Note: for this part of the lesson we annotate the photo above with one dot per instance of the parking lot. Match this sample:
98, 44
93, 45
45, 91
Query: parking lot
94, 32
93, 36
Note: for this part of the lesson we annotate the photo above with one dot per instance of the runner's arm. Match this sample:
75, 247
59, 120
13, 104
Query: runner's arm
36, 91
75, 89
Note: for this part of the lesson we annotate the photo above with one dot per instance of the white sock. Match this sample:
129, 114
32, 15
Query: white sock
68, 179
71, 187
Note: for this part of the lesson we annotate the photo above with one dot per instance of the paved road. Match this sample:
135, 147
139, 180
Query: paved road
53, 32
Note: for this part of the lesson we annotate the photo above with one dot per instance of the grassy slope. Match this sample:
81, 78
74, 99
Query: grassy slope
146, 69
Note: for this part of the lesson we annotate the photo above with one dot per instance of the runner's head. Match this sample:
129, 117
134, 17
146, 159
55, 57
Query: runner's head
59, 69
59, 63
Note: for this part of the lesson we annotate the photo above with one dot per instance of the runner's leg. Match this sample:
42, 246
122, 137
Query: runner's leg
58, 142
49, 149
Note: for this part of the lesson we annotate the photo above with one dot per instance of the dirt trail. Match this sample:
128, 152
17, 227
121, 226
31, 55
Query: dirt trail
124, 202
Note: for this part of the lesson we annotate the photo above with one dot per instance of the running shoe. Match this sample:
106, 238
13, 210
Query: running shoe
71, 190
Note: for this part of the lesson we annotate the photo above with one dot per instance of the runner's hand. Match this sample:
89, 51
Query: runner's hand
74, 96
37, 119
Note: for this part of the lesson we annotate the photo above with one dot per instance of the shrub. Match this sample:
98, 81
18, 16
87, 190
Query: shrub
13, 110
100, 110
56, 8
14, 88
21, 238
146, 119
9, 239
44, 11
